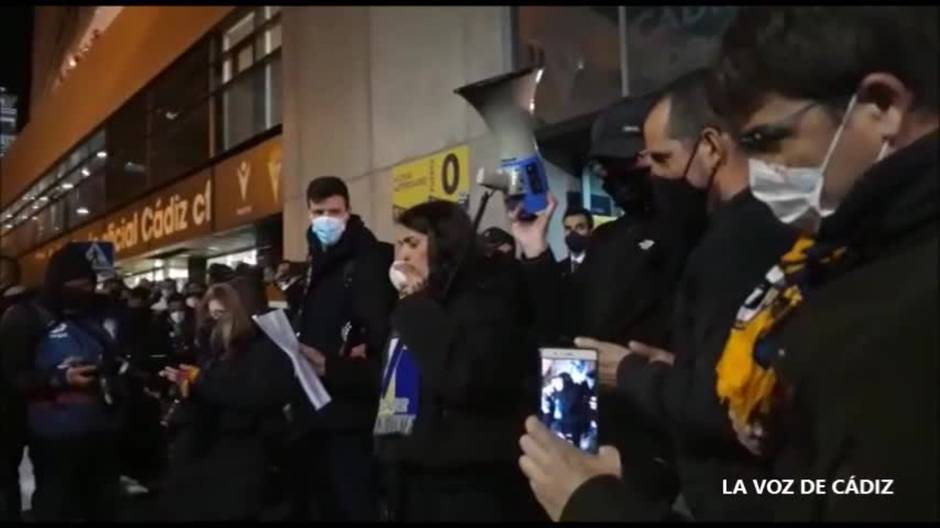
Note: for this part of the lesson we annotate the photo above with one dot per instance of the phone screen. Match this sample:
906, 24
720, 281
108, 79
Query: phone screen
569, 395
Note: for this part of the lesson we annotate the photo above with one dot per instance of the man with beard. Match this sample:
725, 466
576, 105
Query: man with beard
56, 351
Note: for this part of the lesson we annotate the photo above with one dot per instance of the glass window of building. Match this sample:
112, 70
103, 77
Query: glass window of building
248, 76
231, 260
179, 121
126, 153
664, 42
86, 201
580, 47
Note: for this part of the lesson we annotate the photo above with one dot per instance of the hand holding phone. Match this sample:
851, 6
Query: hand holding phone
569, 395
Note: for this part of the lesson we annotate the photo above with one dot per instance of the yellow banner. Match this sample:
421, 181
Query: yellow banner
443, 175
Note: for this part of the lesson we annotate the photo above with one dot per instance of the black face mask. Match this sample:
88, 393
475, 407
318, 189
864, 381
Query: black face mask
576, 242
681, 201
629, 189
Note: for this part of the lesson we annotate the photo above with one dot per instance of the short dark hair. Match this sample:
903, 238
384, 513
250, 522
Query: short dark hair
324, 187
451, 240
577, 210
219, 273
822, 53
139, 293
690, 110
175, 297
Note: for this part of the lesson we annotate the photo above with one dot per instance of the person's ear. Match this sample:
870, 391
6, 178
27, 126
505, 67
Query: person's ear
712, 153
889, 103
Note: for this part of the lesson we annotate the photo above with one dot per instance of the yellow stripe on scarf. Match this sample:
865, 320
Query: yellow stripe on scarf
742, 382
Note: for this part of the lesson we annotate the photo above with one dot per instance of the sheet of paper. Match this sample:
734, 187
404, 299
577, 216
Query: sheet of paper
276, 326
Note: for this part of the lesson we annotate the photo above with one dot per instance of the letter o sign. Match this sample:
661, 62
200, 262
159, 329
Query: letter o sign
450, 174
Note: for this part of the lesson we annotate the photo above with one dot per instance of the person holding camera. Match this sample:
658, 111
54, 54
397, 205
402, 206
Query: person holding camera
453, 389
232, 406
60, 359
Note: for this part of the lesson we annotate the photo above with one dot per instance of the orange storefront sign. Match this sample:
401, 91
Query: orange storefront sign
247, 185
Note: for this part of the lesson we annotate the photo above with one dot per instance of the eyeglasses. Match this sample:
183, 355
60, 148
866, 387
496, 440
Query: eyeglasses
761, 138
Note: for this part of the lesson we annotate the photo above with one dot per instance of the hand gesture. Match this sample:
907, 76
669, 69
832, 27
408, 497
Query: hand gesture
315, 357
414, 282
556, 469
609, 356
532, 236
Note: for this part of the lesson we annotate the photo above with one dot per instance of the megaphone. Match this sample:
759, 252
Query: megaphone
506, 103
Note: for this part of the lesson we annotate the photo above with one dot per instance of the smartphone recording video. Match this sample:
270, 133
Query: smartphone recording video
569, 395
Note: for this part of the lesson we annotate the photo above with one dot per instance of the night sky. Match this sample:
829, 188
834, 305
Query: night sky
16, 27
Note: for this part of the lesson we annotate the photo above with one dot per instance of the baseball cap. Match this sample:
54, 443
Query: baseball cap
618, 130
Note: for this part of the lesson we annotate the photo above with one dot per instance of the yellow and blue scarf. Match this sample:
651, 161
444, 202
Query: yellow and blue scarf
746, 377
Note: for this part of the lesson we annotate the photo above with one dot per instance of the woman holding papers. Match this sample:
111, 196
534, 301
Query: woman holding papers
232, 407
452, 394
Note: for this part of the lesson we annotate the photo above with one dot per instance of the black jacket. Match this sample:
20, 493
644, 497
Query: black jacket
860, 366
220, 459
622, 291
12, 404
473, 361
861, 360
347, 284
743, 240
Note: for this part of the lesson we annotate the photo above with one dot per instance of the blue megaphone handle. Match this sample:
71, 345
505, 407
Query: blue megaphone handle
534, 182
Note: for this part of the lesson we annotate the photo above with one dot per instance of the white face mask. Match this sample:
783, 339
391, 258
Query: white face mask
398, 278
192, 302
177, 317
794, 194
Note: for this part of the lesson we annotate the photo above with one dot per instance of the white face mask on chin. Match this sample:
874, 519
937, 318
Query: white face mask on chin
396, 276
794, 194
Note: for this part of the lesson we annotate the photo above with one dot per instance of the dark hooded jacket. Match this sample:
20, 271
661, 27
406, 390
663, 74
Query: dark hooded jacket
346, 302
39, 335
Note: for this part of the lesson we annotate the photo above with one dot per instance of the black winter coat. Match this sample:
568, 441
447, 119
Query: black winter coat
474, 361
859, 363
742, 242
222, 454
347, 285
861, 356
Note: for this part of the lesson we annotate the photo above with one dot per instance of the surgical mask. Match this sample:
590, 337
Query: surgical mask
177, 317
576, 242
192, 302
794, 194
396, 276
328, 229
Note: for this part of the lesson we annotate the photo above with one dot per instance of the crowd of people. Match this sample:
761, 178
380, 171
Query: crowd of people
765, 309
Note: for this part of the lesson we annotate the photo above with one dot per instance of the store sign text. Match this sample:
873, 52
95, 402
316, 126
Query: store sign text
170, 215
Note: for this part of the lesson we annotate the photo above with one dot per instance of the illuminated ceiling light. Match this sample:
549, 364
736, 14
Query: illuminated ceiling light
8, 226
68, 185
86, 172
35, 217
9, 215
72, 62
82, 211
35, 206
171, 115
43, 198
102, 154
